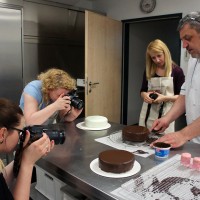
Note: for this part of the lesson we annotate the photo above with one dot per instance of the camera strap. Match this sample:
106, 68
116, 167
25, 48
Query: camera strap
149, 109
147, 114
17, 159
161, 110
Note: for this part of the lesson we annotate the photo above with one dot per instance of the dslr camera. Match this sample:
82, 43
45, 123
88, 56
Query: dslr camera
35, 133
153, 96
75, 101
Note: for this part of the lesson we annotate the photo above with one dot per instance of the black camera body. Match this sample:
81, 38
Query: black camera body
75, 101
36, 133
153, 96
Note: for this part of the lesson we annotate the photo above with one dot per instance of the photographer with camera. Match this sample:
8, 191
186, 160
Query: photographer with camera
11, 128
46, 99
162, 81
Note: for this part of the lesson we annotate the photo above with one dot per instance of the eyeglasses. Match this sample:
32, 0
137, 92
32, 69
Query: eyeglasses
189, 19
20, 131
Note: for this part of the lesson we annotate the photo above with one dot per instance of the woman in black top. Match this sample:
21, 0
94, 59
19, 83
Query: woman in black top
162, 81
11, 125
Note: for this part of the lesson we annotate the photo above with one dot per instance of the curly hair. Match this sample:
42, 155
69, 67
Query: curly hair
54, 79
157, 46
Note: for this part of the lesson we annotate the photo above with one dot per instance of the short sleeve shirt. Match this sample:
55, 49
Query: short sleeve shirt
191, 90
33, 89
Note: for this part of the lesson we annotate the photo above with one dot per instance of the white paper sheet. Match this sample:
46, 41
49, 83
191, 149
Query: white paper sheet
168, 180
115, 140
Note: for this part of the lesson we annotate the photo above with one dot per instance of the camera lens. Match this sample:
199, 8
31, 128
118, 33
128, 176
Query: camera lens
77, 103
153, 96
36, 133
56, 135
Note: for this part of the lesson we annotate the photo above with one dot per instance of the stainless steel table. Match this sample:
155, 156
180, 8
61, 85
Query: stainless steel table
70, 162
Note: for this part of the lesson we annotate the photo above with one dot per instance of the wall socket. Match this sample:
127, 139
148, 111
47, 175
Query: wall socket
80, 82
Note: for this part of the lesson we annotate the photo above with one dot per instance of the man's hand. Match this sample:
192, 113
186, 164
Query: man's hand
176, 139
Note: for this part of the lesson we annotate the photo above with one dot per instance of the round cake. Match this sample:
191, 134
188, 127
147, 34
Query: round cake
135, 133
96, 121
116, 161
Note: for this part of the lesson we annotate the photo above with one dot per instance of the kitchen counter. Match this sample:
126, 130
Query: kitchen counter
70, 162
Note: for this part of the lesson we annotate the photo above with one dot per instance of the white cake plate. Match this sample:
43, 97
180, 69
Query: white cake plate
82, 126
94, 166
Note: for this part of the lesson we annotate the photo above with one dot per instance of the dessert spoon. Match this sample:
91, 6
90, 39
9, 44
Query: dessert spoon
139, 151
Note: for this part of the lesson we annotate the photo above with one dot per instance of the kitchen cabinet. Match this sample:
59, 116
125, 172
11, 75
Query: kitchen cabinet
48, 185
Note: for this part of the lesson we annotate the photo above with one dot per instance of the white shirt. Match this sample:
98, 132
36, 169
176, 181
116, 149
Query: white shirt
191, 90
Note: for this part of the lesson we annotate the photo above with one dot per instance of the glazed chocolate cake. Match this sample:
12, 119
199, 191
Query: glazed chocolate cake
135, 133
116, 161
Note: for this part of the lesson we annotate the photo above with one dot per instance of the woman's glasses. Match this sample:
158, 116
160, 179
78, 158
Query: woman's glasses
20, 131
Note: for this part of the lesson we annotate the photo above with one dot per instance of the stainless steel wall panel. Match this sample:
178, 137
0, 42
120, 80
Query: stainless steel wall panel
11, 83
41, 56
50, 21
54, 38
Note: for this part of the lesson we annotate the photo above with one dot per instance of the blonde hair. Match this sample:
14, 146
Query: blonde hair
157, 46
55, 79
1, 165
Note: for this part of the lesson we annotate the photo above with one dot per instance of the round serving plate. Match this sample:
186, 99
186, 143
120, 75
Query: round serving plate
82, 126
94, 166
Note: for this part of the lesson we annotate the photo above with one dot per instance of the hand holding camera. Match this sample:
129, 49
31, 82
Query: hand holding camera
34, 151
153, 96
36, 133
75, 101
157, 97
65, 101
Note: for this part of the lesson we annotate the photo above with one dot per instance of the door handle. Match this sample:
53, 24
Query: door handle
92, 85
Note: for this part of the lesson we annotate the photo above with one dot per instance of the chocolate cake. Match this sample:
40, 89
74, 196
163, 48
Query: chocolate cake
116, 161
135, 133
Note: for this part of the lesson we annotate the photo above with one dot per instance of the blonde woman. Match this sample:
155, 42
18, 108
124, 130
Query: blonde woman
161, 84
44, 99
11, 125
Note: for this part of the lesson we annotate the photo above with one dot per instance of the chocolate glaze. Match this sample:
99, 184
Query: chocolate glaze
151, 139
161, 145
135, 133
116, 161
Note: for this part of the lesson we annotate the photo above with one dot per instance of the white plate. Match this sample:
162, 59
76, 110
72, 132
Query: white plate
94, 166
81, 125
